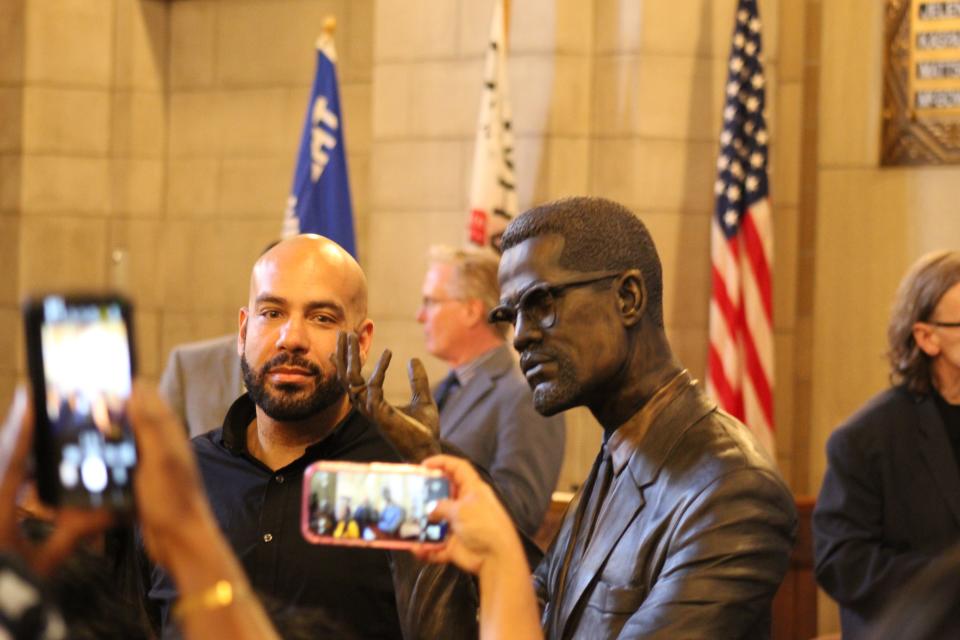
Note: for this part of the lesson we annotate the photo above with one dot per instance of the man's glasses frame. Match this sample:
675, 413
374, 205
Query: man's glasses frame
949, 325
538, 301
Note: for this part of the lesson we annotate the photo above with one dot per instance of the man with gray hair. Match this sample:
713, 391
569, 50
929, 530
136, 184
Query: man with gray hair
890, 500
486, 407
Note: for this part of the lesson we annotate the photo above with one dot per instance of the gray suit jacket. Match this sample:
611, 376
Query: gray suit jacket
201, 381
692, 541
493, 421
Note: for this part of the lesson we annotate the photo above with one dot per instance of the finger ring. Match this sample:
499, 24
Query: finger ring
355, 389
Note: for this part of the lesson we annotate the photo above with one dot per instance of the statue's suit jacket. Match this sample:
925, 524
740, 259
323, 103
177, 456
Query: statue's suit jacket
888, 506
493, 421
692, 541
201, 381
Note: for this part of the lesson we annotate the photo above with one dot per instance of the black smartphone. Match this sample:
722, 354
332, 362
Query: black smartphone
379, 505
81, 363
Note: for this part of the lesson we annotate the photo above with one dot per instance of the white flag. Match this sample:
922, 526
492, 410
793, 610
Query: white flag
493, 196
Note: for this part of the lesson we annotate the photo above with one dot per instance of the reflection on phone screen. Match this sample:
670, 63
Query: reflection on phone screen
376, 506
86, 366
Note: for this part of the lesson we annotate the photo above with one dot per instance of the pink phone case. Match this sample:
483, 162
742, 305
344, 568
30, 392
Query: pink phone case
378, 505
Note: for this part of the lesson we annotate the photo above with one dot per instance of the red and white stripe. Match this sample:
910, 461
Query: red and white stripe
740, 370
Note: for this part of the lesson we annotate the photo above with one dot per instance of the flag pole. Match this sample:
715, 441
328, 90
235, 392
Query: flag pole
506, 24
329, 27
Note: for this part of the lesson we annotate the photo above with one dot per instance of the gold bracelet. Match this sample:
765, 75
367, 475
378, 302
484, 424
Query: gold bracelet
221, 595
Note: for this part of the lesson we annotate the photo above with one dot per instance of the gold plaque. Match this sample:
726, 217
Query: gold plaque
921, 83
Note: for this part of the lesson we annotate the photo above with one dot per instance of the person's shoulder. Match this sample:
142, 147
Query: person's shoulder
880, 418
719, 446
204, 349
208, 445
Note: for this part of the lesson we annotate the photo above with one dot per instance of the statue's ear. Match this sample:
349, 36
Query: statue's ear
631, 296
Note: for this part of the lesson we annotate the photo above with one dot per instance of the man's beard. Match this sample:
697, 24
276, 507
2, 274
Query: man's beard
290, 402
560, 393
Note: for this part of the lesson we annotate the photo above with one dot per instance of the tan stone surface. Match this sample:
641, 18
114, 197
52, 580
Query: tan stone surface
655, 175
683, 243
551, 26
355, 113
395, 268
9, 183
137, 273
417, 175
785, 248
11, 333
658, 96
12, 13
192, 185
140, 55
444, 98
196, 124
851, 83
260, 120
862, 218
550, 95
69, 42
783, 410
355, 43
146, 330
9, 260
474, 28
138, 124
785, 146
136, 187
205, 265
266, 42
254, 187
178, 327
67, 121
414, 29
65, 184
11, 114
391, 101
62, 253
193, 44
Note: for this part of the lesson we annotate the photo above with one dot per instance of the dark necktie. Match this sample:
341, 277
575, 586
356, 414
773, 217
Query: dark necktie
446, 389
598, 493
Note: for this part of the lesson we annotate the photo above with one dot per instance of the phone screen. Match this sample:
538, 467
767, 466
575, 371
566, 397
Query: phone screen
381, 505
87, 377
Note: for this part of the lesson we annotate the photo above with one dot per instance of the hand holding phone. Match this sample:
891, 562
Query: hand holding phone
81, 366
481, 530
372, 504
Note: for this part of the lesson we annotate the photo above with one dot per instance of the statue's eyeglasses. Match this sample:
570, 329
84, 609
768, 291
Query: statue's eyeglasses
538, 302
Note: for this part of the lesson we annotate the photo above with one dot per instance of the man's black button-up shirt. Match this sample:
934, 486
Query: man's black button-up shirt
259, 512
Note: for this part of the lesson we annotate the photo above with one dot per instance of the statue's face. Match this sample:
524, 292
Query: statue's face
570, 350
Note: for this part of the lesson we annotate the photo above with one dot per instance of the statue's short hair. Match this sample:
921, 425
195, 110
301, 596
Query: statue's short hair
920, 291
474, 275
599, 235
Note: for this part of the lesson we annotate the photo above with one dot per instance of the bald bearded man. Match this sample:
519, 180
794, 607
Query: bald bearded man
302, 292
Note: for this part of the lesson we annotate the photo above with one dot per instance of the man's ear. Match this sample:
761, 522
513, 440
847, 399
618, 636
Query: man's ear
926, 339
365, 335
475, 314
631, 296
242, 334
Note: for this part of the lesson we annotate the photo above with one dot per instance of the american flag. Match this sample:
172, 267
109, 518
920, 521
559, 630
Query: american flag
740, 365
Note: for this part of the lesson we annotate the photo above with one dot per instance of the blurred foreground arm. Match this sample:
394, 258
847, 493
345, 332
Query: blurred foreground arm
483, 541
180, 532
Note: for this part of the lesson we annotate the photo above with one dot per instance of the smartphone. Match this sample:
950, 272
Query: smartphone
372, 504
81, 365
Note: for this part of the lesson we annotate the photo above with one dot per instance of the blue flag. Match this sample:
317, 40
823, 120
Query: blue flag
319, 201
